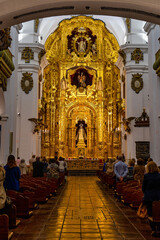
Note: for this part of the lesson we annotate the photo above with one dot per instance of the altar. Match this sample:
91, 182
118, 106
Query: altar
80, 109
83, 164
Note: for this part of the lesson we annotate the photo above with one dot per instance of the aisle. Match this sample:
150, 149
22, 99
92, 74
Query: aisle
81, 211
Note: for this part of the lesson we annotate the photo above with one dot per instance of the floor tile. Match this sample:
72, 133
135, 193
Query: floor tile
83, 209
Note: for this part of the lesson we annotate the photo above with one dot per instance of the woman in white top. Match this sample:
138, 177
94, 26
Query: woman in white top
23, 167
62, 164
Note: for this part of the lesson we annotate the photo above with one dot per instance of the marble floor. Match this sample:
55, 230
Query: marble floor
83, 209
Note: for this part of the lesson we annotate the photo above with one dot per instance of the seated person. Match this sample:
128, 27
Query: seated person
139, 170
130, 169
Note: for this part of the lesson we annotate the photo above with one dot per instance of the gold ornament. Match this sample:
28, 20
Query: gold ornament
128, 23
137, 55
27, 82
6, 67
27, 54
156, 65
5, 39
137, 82
36, 24
38, 124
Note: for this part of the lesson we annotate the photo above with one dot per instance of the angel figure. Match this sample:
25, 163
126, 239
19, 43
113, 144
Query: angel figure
38, 124
126, 122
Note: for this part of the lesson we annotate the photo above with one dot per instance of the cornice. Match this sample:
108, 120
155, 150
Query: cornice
28, 67
18, 27
148, 27
136, 68
36, 47
127, 48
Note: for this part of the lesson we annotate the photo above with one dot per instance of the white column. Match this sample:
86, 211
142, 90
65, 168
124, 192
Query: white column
154, 91
135, 102
11, 100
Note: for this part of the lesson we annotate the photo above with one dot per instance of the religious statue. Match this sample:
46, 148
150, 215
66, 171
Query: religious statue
82, 45
126, 123
81, 80
81, 135
63, 84
99, 84
94, 49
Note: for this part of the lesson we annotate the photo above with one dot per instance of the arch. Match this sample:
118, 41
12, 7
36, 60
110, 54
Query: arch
22, 11
84, 104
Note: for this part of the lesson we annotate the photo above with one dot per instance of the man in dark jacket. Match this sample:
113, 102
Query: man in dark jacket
38, 168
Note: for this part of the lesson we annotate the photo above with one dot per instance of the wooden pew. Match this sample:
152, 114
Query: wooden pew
4, 224
39, 190
119, 188
137, 198
11, 211
21, 202
155, 219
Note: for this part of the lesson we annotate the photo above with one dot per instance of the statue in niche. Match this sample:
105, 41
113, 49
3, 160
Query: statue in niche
81, 45
94, 49
81, 132
99, 84
81, 80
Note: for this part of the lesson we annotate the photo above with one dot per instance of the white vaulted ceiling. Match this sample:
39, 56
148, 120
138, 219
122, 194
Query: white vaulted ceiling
16, 11
115, 25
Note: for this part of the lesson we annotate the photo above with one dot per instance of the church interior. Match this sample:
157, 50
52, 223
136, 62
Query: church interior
85, 88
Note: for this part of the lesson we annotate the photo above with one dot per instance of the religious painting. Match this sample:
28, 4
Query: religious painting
143, 150
81, 129
81, 78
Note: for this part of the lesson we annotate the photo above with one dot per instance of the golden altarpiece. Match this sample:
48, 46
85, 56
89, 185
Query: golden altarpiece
81, 91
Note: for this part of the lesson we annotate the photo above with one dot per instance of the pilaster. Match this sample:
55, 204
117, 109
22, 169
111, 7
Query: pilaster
28, 89
136, 95
153, 32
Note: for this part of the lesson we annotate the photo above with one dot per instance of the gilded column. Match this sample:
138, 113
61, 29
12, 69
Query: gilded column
100, 123
62, 127
52, 129
47, 143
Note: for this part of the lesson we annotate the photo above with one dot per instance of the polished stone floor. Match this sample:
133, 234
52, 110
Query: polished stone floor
83, 209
